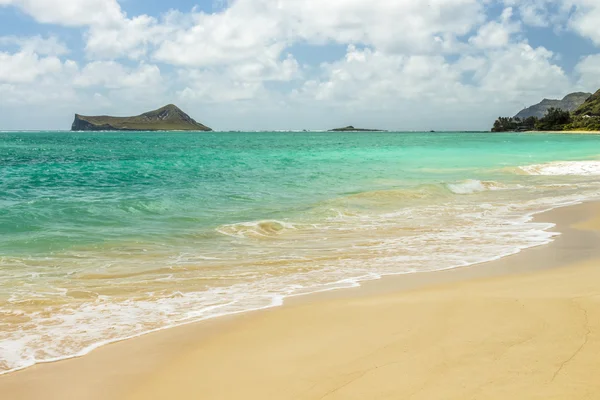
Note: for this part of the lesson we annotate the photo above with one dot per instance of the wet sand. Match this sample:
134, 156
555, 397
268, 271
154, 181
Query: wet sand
522, 327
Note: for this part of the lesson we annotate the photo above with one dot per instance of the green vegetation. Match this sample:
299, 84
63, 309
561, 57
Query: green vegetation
590, 108
585, 118
167, 118
584, 123
514, 124
554, 120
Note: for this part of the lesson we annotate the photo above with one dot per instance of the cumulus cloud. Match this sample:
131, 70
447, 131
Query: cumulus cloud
522, 72
26, 67
585, 19
496, 34
448, 55
112, 75
588, 71
36, 44
71, 12
377, 79
538, 13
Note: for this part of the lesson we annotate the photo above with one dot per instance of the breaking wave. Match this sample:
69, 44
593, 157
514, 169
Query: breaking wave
563, 168
473, 186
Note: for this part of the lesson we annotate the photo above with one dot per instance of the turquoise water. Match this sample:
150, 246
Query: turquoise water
109, 235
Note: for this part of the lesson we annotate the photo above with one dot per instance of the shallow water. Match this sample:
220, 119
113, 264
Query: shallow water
105, 236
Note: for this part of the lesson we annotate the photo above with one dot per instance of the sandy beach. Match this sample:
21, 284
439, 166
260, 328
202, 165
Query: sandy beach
523, 327
570, 132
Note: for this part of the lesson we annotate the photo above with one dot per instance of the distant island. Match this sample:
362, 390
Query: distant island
571, 114
167, 118
350, 128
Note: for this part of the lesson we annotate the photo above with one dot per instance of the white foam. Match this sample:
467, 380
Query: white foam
473, 186
563, 168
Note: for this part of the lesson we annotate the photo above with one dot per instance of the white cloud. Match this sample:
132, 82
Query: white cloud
522, 73
506, 74
376, 79
402, 25
36, 44
71, 12
207, 86
237, 34
536, 13
262, 29
26, 67
129, 38
112, 75
588, 71
27, 78
586, 19
496, 34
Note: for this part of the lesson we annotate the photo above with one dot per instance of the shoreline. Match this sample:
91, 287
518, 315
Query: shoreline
151, 352
402, 280
568, 132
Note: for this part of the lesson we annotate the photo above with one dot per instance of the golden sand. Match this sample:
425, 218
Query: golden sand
483, 332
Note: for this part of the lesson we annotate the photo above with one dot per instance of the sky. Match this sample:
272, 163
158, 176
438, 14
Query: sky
294, 64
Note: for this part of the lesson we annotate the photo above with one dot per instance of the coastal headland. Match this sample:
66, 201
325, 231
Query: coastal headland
577, 112
523, 327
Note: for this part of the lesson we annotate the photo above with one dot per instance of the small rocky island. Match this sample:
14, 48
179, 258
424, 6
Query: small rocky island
167, 118
350, 128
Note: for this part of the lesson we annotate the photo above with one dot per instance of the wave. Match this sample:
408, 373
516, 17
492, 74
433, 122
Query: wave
473, 186
419, 192
256, 229
563, 168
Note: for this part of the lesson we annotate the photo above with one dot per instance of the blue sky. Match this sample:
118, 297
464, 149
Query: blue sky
298, 64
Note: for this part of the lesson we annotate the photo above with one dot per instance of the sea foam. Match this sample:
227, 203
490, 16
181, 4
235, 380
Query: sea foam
563, 168
473, 186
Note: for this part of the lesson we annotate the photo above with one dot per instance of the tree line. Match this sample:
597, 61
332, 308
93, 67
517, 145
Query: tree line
554, 120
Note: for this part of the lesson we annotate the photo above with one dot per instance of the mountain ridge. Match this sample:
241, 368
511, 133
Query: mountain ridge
569, 103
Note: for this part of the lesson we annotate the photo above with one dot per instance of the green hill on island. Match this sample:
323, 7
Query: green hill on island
167, 118
350, 128
586, 117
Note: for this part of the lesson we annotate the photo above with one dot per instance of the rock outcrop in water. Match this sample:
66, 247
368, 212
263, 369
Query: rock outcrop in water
167, 118
569, 103
350, 128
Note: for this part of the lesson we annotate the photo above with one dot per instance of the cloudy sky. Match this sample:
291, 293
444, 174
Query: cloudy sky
294, 64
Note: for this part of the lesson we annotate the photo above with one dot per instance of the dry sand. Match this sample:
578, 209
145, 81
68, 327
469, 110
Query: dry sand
524, 327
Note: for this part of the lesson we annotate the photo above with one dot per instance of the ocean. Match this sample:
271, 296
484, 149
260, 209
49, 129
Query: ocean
106, 236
